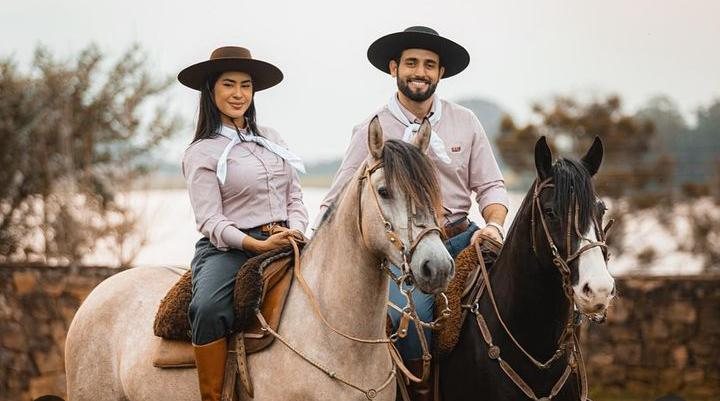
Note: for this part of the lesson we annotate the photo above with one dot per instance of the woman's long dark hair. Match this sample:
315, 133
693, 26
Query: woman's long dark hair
209, 120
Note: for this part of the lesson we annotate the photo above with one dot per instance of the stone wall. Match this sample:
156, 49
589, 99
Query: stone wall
662, 335
37, 304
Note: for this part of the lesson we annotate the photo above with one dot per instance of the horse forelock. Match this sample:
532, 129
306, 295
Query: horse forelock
573, 183
408, 171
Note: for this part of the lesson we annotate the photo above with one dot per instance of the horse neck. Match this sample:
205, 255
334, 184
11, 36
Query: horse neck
529, 294
344, 275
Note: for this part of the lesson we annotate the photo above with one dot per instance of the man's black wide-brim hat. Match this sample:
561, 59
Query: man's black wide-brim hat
452, 56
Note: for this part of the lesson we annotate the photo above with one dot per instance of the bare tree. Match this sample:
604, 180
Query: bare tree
639, 169
74, 134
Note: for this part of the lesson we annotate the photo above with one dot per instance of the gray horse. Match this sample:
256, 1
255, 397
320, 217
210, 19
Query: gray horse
110, 341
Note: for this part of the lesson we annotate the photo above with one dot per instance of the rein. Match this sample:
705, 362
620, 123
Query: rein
409, 312
569, 338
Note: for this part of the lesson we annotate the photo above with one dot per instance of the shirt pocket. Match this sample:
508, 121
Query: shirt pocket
458, 154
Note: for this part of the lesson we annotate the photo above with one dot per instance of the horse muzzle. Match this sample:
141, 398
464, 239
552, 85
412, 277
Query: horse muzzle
594, 301
433, 273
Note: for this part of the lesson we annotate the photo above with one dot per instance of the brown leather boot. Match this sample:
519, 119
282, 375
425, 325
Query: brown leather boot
422, 391
210, 362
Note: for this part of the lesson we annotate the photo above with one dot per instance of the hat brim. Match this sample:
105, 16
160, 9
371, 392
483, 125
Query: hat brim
452, 56
264, 75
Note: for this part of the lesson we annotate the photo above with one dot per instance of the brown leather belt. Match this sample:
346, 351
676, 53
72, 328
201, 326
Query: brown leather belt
269, 228
456, 227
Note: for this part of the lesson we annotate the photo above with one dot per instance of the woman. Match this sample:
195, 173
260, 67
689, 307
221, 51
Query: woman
244, 191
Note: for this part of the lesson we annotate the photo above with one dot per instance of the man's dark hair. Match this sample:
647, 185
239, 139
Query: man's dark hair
398, 57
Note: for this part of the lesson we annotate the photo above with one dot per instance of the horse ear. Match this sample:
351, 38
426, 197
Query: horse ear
376, 142
422, 137
593, 157
543, 158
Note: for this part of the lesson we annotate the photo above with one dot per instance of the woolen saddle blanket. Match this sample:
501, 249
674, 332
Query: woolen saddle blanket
467, 276
262, 282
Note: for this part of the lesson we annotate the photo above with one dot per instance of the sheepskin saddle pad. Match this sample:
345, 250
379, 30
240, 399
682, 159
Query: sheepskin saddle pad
467, 276
262, 283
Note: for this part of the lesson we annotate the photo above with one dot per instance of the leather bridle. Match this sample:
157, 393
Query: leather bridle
573, 227
392, 236
405, 281
568, 341
408, 313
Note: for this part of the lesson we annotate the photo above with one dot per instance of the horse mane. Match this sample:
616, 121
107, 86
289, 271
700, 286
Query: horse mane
572, 179
408, 170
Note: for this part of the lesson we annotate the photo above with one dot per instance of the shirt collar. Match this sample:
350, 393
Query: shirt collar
243, 131
410, 116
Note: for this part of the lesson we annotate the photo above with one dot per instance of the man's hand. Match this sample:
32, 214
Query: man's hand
490, 231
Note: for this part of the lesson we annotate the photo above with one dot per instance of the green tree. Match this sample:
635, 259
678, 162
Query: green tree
74, 135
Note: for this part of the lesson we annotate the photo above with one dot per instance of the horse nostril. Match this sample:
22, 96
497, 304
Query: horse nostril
599, 307
586, 290
426, 269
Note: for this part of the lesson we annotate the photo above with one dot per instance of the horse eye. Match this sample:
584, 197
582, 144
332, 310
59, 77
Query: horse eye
383, 192
549, 212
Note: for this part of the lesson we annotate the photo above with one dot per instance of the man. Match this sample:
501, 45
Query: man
418, 58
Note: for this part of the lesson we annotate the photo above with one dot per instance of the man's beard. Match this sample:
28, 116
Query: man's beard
416, 96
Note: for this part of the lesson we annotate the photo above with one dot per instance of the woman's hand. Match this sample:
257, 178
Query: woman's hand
272, 242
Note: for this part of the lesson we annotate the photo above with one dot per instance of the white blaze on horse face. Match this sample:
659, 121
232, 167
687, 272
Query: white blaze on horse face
595, 287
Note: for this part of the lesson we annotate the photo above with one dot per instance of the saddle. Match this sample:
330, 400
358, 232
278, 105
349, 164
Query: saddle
461, 290
262, 283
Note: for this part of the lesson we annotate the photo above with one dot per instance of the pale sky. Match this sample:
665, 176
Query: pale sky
521, 51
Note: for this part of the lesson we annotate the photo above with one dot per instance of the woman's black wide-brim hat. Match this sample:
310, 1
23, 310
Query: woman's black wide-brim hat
452, 56
231, 58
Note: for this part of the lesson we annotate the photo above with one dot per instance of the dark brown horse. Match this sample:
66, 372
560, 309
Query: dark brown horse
552, 270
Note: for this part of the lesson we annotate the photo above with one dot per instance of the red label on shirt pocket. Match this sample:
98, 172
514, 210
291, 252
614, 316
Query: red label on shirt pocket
455, 149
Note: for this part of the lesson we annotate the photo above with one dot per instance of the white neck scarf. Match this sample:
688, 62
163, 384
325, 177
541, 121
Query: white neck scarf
232, 134
436, 143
